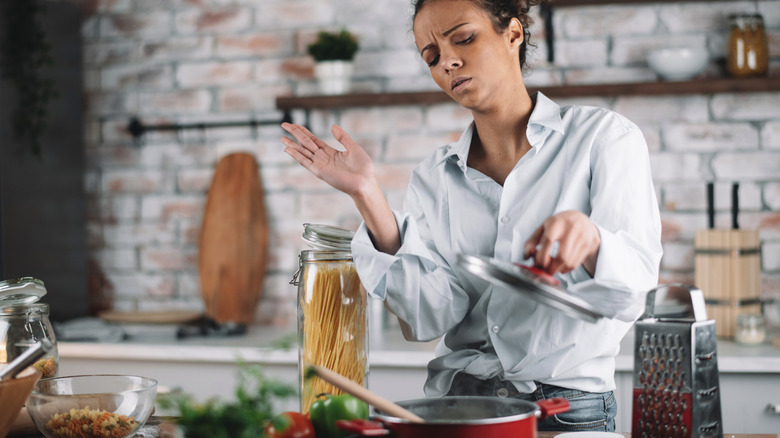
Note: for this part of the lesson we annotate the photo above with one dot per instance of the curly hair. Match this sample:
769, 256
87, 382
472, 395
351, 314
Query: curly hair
501, 13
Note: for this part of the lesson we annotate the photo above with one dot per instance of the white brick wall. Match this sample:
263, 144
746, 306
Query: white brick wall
211, 60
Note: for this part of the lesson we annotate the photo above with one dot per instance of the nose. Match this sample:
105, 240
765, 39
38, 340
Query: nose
451, 62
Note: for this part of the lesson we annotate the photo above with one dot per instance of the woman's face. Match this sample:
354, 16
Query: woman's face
468, 59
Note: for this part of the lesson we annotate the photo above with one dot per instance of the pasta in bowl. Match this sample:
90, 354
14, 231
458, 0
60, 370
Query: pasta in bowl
90, 406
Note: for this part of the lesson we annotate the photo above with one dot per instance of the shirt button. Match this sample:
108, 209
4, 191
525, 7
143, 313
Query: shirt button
505, 220
460, 163
502, 393
495, 328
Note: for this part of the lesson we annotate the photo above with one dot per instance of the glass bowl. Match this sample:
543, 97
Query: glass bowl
89, 406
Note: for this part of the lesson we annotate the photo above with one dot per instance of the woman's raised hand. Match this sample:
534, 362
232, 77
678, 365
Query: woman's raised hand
350, 171
577, 239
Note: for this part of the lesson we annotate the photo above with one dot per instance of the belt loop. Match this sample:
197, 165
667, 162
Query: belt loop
539, 393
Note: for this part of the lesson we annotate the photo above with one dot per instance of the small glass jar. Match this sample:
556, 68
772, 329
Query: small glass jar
751, 330
748, 52
332, 312
24, 321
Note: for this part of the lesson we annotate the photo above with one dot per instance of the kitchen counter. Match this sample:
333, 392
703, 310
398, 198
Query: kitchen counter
261, 344
156, 428
274, 345
206, 367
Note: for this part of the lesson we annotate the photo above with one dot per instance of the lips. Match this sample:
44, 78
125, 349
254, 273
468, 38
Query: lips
459, 83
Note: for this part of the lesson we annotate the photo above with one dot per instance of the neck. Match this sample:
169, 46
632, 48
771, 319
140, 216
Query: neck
499, 138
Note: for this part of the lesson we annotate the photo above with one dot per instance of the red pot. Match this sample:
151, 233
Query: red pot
462, 417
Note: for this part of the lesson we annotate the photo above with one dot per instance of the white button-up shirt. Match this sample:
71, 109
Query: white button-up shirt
582, 158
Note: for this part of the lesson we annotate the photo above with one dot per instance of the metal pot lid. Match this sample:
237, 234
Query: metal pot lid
531, 282
19, 291
327, 237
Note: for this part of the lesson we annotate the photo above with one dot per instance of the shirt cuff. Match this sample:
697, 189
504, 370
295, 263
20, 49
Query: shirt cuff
617, 286
373, 265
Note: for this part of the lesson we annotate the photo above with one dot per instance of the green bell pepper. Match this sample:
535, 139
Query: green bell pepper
325, 412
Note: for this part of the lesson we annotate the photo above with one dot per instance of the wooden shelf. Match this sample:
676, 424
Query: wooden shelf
698, 86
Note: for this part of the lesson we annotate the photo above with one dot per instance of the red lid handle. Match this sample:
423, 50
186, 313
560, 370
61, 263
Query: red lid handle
543, 275
552, 406
363, 427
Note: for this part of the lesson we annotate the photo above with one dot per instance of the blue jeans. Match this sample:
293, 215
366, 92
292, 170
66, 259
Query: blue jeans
588, 411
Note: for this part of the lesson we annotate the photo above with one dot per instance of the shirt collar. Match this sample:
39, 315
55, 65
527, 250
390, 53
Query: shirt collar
459, 150
545, 115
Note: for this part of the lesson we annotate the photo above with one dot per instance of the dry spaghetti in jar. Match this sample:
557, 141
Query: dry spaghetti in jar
332, 312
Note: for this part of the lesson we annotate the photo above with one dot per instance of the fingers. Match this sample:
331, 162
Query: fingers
563, 242
544, 251
305, 138
532, 243
342, 137
304, 157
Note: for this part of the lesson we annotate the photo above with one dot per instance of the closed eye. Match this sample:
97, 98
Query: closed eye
466, 41
434, 61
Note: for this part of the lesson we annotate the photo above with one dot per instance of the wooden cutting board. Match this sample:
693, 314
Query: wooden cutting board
233, 247
160, 317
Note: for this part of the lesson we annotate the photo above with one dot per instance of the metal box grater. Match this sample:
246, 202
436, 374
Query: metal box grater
676, 390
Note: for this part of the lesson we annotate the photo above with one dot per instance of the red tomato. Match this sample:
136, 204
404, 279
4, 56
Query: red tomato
289, 425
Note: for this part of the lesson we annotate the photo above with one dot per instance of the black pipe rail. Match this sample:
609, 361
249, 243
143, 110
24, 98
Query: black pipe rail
137, 128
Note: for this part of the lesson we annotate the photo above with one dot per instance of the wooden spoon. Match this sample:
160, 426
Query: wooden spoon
362, 393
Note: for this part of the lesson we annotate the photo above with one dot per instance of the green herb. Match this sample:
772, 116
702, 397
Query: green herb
333, 46
309, 373
244, 418
286, 342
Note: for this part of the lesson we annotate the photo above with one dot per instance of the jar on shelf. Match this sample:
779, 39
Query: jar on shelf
24, 321
751, 329
748, 52
332, 312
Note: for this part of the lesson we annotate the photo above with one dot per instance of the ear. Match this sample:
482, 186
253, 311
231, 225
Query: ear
514, 33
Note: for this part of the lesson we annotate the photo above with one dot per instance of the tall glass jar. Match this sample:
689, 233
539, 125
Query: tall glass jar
748, 52
332, 312
24, 321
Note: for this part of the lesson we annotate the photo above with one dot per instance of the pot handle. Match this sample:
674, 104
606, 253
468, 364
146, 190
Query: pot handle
363, 427
552, 406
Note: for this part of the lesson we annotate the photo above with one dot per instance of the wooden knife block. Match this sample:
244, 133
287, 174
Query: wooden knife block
728, 272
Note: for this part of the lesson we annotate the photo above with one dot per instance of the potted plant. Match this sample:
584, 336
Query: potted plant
333, 53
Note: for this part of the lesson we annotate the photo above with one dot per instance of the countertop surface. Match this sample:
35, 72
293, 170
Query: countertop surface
157, 428
278, 345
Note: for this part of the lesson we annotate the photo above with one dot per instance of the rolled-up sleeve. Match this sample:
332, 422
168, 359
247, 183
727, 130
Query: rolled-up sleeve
625, 211
417, 284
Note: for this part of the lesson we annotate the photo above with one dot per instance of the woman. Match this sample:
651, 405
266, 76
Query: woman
565, 188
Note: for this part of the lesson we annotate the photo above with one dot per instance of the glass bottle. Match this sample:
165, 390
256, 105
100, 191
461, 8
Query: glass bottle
751, 330
747, 46
24, 321
332, 312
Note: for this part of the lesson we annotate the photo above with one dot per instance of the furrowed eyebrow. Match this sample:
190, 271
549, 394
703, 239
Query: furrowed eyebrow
447, 32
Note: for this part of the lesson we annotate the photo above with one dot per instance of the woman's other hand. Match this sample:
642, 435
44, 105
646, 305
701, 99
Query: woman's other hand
350, 171
577, 238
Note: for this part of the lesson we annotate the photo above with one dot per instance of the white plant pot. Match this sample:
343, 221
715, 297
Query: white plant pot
333, 77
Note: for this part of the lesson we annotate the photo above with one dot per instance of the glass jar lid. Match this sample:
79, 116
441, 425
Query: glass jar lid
327, 237
746, 20
25, 290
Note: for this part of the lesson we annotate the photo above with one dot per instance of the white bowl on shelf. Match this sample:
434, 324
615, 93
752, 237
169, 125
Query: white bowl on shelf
678, 63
